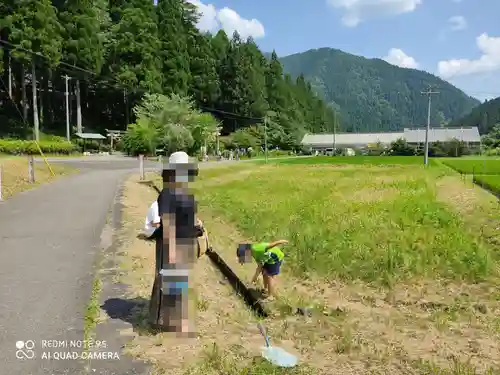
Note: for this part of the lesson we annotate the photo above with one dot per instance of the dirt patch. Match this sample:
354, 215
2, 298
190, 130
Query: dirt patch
461, 194
371, 194
478, 208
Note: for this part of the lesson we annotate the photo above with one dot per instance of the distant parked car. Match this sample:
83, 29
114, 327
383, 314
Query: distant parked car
349, 152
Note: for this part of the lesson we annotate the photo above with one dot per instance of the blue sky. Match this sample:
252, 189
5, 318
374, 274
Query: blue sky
458, 40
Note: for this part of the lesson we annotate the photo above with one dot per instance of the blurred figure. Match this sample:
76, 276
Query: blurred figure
152, 222
175, 246
269, 257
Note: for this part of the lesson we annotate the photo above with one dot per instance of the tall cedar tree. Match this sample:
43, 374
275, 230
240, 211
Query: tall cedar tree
33, 25
134, 47
173, 30
133, 59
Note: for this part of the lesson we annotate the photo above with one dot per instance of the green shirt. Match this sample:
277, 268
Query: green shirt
263, 256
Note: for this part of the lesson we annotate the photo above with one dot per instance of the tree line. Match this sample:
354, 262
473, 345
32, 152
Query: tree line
487, 118
112, 53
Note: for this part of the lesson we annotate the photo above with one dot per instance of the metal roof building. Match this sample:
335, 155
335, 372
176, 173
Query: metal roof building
413, 136
468, 135
90, 136
346, 140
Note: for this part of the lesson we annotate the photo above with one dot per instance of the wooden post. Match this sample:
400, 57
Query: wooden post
160, 162
141, 166
31, 170
1, 175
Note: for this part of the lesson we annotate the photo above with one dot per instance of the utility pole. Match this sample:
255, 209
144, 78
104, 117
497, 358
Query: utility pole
334, 139
266, 119
10, 76
68, 134
217, 135
36, 122
78, 108
125, 101
265, 137
429, 94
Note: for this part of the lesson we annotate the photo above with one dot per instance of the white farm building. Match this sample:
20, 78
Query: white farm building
415, 137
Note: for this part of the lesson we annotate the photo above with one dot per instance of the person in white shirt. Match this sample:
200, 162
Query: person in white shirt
152, 222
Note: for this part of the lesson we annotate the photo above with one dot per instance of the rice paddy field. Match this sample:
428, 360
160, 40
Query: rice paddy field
398, 264
355, 160
484, 166
489, 182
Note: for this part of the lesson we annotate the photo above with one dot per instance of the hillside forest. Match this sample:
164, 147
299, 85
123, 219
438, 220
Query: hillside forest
372, 95
116, 55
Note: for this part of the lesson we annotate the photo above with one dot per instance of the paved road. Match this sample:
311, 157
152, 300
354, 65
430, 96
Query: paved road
49, 238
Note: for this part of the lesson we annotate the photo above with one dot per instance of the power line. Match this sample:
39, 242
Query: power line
64, 66
15, 104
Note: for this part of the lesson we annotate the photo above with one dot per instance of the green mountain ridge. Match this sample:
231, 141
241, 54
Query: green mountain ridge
372, 95
485, 116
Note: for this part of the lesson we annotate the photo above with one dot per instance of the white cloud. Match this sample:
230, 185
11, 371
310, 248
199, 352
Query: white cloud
208, 16
232, 21
212, 19
457, 23
399, 58
357, 11
489, 61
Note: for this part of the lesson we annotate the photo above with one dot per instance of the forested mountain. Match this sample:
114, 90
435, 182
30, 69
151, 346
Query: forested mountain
372, 95
484, 116
113, 52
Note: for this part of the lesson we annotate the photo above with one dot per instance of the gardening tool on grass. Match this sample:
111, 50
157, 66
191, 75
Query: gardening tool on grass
275, 355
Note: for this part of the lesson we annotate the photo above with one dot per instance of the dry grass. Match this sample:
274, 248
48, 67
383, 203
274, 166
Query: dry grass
15, 174
420, 325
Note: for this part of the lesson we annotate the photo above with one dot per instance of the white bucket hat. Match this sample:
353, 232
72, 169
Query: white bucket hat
175, 161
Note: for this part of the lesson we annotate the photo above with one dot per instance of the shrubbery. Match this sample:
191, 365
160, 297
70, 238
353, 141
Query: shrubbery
401, 148
91, 145
168, 123
19, 147
493, 152
452, 148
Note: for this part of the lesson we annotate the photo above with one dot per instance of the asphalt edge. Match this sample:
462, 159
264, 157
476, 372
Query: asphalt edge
108, 329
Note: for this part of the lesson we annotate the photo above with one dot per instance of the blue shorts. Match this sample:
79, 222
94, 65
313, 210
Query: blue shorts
273, 269
177, 288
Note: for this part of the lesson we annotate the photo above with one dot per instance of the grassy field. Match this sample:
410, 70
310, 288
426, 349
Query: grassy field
485, 166
398, 265
15, 174
356, 160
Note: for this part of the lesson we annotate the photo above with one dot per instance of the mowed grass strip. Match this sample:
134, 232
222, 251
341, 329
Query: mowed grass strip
373, 224
15, 174
370, 160
474, 166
